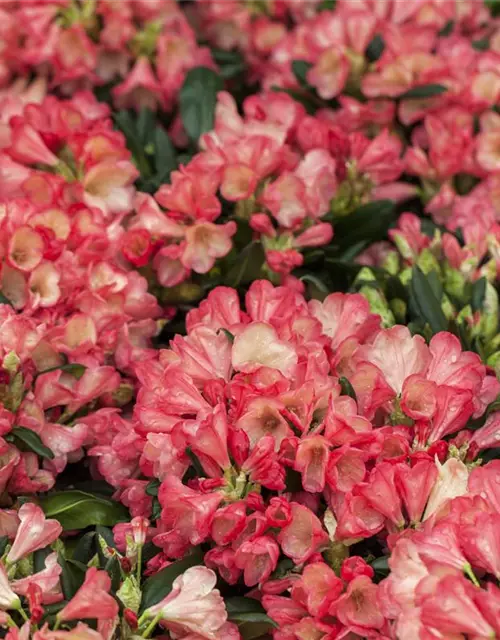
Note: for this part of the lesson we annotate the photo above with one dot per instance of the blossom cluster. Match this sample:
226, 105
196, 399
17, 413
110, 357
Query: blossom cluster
249, 319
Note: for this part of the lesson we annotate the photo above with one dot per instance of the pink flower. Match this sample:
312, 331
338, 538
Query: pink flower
92, 600
303, 536
205, 242
8, 599
451, 609
193, 605
451, 482
47, 580
397, 354
259, 345
34, 532
359, 606
258, 558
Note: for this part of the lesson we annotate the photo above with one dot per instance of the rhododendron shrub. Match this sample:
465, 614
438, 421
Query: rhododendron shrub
249, 320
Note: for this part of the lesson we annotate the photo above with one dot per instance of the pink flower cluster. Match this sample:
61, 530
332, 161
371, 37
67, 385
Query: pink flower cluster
145, 47
281, 168
289, 466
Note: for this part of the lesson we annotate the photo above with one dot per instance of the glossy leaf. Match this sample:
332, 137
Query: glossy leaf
31, 440
424, 91
197, 100
425, 302
79, 510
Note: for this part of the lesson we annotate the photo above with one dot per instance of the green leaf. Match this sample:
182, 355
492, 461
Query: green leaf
347, 388
300, 69
165, 158
481, 45
447, 29
74, 368
381, 565
160, 585
250, 616
375, 49
327, 5
79, 510
478, 294
247, 266
424, 91
197, 100
4, 541
112, 568
72, 576
152, 487
5, 300
368, 222
427, 306
126, 124
85, 549
39, 558
145, 126
319, 284
32, 441
230, 63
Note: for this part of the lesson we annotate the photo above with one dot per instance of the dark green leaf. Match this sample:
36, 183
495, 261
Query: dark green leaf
106, 534
478, 294
145, 125
39, 558
5, 300
125, 123
165, 159
376, 48
327, 5
247, 266
347, 388
368, 222
85, 549
78, 510
230, 63
160, 585
300, 69
250, 616
493, 6
309, 277
32, 441
4, 541
112, 568
72, 576
481, 45
197, 100
447, 29
152, 487
427, 306
381, 565
73, 368
424, 91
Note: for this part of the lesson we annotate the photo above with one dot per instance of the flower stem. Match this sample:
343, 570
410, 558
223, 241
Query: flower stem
139, 565
151, 626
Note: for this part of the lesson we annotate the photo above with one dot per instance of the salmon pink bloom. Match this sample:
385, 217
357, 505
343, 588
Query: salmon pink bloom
258, 345
258, 558
34, 532
92, 600
193, 606
8, 599
359, 606
303, 536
